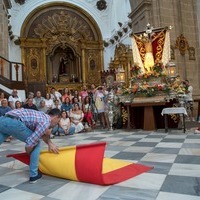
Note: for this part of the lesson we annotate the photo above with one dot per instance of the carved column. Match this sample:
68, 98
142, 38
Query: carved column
83, 63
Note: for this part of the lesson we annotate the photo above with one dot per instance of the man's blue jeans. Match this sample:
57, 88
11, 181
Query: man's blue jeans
18, 130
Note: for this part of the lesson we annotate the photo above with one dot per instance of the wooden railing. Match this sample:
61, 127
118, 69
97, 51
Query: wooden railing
11, 74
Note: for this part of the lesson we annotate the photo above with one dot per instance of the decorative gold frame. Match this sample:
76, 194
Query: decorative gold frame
182, 44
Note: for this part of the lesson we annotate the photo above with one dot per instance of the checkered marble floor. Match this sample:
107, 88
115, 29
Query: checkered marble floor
175, 157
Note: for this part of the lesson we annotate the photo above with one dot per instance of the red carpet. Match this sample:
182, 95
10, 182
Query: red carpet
85, 163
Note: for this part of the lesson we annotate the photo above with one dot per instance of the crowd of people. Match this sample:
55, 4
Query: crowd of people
80, 109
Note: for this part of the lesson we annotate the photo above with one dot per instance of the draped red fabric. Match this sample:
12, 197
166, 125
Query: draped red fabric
158, 45
23, 157
89, 162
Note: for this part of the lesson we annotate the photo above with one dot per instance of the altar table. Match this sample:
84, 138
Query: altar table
149, 115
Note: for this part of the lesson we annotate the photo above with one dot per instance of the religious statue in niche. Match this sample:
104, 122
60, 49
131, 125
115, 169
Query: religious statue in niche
65, 61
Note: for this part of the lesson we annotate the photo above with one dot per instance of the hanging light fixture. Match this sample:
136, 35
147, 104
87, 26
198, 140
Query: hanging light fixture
171, 69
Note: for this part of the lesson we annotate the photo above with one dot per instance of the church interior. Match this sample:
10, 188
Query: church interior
147, 50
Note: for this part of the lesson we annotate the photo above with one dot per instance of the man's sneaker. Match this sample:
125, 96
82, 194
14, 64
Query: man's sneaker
35, 178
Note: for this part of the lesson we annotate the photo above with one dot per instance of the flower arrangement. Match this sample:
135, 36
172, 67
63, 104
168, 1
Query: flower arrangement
147, 90
147, 84
157, 71
158, 67
135, 69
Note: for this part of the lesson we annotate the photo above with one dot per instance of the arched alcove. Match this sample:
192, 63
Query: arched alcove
61, 35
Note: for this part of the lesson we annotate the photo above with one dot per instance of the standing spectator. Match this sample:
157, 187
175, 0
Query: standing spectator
13, 98
65, 94
189, 99
83, 93
99, 99
30, 126
87, 110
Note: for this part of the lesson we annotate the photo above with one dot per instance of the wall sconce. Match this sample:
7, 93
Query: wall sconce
120, 75
171, 69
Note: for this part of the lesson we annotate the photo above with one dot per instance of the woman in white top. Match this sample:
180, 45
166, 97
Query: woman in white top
64, 126
48, 101
76, 117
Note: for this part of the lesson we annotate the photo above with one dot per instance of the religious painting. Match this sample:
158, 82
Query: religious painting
33, 63
92, 65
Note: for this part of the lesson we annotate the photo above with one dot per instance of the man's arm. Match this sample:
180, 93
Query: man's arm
51, 146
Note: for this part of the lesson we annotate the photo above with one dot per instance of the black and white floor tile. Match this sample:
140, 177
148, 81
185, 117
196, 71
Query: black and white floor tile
175, 157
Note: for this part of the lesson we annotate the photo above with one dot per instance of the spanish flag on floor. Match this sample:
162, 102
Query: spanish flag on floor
85, 163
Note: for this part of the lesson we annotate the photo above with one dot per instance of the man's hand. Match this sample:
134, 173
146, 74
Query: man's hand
53, 148
29, 150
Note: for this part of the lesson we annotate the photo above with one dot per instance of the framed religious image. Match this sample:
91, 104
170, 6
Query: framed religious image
92, 65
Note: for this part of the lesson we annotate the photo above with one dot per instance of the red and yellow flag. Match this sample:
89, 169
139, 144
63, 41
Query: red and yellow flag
85, 163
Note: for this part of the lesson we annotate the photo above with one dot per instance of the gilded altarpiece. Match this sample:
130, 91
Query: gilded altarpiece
34, 57
70, 51
123, 58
